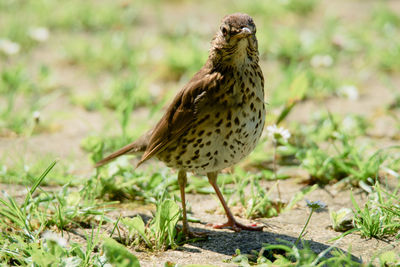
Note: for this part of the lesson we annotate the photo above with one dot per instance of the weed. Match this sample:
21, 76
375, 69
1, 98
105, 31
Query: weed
177, 65
380, 216
160, 233
285, 254
383, 17
118, 254
258, 203
24, 224
346, 160
302, 7
314, 206
119, 182
135, 56
109, 52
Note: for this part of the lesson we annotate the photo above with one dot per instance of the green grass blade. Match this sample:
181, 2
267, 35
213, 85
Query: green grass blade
42, 176
38, 182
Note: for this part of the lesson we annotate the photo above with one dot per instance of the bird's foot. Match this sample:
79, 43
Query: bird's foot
237, 227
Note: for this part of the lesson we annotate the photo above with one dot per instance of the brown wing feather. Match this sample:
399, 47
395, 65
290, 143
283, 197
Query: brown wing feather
179, 116
182, 112
139, 145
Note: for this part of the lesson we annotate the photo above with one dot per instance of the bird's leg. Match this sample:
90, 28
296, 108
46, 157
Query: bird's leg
232, 223
182, 180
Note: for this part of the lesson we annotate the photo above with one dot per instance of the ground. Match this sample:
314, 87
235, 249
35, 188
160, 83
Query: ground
67, 124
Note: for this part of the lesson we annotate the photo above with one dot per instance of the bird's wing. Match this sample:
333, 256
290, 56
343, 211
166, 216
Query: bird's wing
182, 112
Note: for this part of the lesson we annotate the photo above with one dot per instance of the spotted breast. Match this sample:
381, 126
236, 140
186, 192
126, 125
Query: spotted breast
228, 127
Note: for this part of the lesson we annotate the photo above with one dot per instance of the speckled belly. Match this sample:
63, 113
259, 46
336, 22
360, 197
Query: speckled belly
219, 138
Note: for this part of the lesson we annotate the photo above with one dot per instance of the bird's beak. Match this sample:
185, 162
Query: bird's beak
244, 32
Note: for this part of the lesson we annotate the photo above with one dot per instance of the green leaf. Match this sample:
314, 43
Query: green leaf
136, 224
285, 112
357, 208
41, 258
38, 182
298, 88
342, 220
389, 258
167, 216
76, 250
118, 255
170, 213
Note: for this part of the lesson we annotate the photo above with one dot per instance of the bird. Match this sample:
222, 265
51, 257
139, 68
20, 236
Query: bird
216, 119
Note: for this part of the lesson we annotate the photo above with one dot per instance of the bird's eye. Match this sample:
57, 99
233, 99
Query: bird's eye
224, 31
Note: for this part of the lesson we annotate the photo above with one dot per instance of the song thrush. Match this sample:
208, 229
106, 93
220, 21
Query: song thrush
216, 119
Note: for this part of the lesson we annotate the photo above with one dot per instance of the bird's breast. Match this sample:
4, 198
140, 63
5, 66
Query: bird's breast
226, 129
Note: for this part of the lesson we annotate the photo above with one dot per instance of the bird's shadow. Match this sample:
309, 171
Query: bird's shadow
227, 242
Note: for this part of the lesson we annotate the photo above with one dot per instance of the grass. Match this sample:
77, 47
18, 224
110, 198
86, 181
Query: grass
114, 59
161, 233
380, 216
28, 226
17, 86
25, 172
286, 255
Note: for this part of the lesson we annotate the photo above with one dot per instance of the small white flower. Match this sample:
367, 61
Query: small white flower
5, 194
307, 38
9, 47
36, 116
26, 168
277, 133
51, 236
349, 123
39, 34
315, 205
349, 91
318, 61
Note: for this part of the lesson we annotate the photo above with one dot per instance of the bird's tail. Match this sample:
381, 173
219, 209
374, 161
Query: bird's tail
138, 146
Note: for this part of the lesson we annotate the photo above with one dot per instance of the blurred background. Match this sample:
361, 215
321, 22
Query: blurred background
79, 77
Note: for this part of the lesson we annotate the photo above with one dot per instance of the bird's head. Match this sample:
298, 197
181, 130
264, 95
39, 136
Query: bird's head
236, 39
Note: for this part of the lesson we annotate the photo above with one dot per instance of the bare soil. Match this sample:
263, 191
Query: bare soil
221, 245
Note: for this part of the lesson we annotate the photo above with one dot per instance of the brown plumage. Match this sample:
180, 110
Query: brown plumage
217, 118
